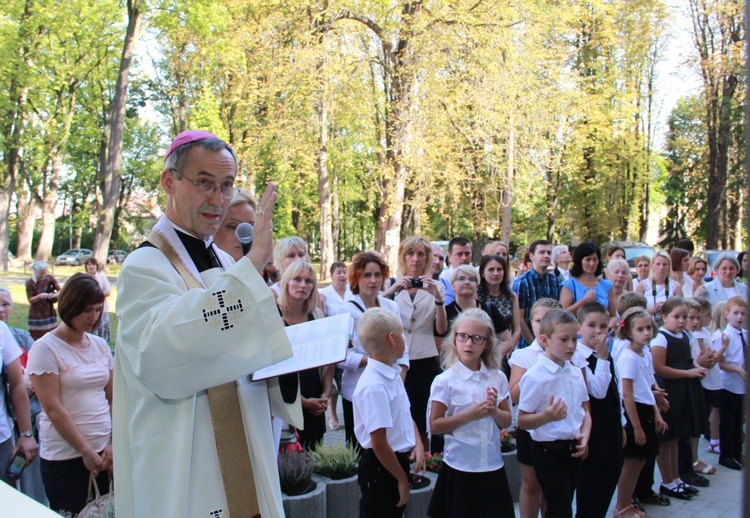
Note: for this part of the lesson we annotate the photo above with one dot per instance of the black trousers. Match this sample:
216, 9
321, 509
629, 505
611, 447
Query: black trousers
645, 485
66, 483
348, 408
730, 426
557, 472
378, 487
600, 473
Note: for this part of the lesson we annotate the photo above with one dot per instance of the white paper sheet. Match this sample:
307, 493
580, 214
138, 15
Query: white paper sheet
314, 344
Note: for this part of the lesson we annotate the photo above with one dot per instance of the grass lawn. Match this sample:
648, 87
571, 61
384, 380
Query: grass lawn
15, 280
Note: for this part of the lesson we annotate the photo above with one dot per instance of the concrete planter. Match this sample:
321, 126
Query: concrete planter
309, 505
419, 499
513, 472
342, 496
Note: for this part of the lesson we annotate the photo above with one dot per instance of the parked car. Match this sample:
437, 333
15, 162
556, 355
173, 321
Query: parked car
710, 256
632, 249
74, 256
116, 256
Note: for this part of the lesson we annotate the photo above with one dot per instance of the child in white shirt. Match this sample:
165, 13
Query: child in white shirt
469, 406
382, 420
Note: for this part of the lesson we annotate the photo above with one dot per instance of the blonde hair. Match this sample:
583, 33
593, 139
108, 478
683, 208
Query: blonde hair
294, 269
491, 354
665, 255
468, 270
499, 244
374, 325
736, 301
284, 246
693, 304
242, 196
554, 318
618, 262
545, 303
409, 245
718, 320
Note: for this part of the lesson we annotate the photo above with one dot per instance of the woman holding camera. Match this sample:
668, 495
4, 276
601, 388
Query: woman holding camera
420, 301
41, 291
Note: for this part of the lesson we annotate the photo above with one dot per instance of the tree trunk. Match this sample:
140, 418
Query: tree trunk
47, 239
324, 186
336, 227
507, 195
109, 175
26, 210
15, 119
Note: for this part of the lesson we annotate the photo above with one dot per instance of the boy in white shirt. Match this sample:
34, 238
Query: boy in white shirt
559, 424
733, 377
382, 419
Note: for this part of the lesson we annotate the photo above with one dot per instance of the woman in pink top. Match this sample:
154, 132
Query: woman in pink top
71, 371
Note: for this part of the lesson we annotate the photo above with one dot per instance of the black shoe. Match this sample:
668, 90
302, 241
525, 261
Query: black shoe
687, 488
730, 463
740, 460
675, 493
694, 479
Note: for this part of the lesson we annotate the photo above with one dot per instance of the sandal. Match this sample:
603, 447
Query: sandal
707, 469
638, 505
629, 509
714, 448
657, 499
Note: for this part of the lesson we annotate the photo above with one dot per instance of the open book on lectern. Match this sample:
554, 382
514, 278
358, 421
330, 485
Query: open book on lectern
314, 344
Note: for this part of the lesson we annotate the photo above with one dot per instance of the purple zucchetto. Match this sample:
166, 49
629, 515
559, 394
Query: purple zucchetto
187, 137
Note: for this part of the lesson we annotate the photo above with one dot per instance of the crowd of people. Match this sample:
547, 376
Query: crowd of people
610, 374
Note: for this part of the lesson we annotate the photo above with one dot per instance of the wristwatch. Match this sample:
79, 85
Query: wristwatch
26, 434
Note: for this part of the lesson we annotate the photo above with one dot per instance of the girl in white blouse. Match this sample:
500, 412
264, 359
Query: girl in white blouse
469, 405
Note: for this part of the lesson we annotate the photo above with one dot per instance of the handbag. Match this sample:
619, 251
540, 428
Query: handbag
98, 505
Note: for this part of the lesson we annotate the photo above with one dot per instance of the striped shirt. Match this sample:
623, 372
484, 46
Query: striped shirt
531, 287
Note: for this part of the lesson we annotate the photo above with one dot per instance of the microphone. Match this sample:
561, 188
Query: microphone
244, 233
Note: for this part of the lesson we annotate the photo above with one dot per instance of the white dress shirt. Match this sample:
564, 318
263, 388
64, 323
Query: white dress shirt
597, 382
475, 446
380, 401
734, 355
547, 378
632, 366
527, 356
334, 303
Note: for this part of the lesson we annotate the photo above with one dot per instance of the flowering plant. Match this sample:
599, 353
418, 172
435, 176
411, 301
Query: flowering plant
507, 441
433, 461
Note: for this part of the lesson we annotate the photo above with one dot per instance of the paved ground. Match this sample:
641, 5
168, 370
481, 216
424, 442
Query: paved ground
722, 499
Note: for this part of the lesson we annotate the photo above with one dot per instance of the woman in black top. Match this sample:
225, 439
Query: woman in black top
297, 304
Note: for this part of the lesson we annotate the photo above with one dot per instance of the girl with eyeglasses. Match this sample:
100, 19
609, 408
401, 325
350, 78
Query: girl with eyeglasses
469, 404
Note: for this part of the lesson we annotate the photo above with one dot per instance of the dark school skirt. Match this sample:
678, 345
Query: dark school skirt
651, 448
459, 494
523, 446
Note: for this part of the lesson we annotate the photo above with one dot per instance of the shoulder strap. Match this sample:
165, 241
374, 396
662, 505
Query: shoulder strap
226, 418
357, 305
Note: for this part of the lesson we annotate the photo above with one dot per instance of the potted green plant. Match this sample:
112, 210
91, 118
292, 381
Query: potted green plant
336, 463
302, 495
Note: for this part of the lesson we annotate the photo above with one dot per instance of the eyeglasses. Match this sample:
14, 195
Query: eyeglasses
464, 279
207, 188
475, 339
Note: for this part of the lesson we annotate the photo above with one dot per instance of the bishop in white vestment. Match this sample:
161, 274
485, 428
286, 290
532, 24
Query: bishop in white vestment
173, 343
